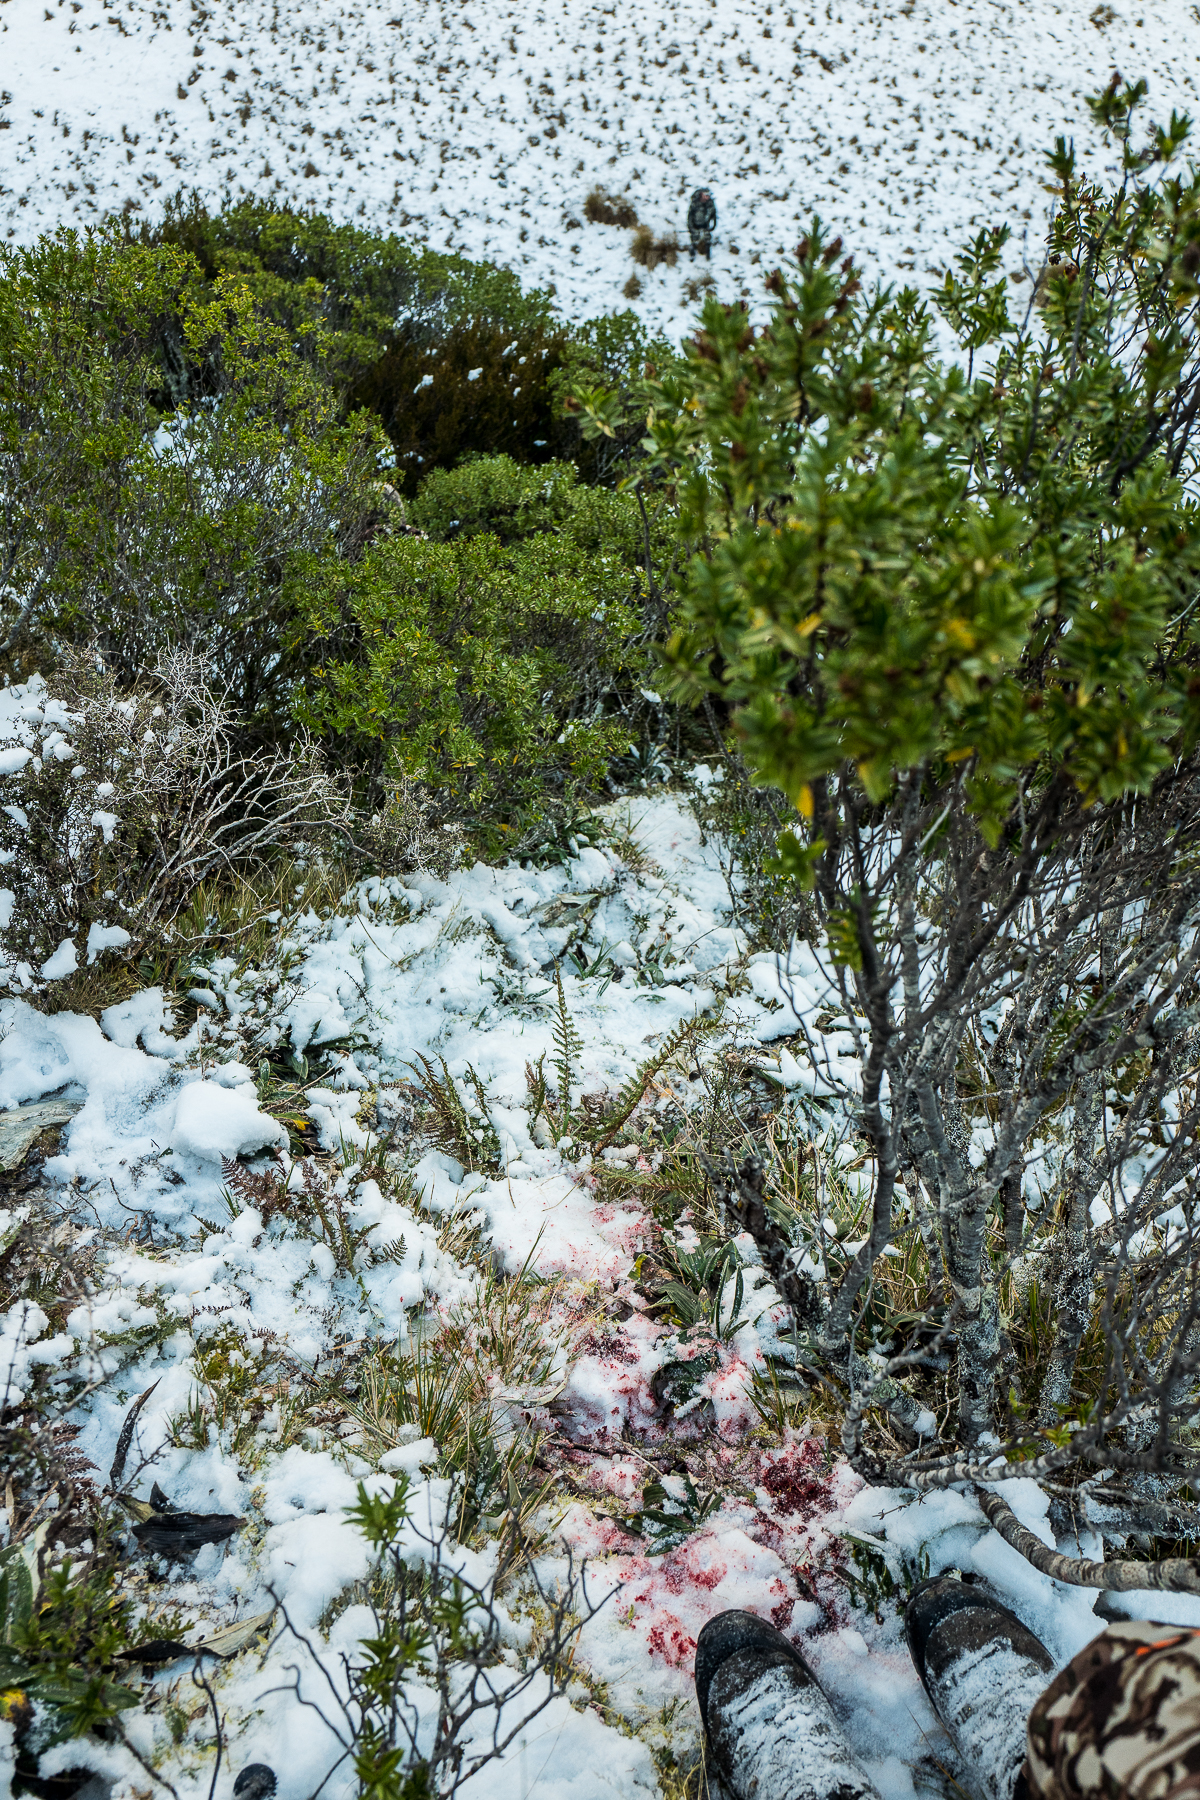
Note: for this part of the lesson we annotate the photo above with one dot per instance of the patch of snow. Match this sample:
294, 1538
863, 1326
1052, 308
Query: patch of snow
213, 1121
64, 961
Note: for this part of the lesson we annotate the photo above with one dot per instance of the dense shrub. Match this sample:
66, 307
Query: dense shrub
952, 608
648, 251
453, 356
342, 292
136, 530
513, 500
483, 387
475, 667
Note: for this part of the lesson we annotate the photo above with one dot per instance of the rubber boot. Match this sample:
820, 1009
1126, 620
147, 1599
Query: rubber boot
771, 1732
982, 1670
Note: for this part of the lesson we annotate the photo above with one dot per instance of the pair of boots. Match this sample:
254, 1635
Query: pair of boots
773, 1735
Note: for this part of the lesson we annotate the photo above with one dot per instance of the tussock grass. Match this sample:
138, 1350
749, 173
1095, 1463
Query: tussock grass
648, 251
603, 208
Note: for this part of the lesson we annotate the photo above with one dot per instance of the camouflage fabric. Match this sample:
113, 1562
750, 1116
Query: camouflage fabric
702, 220
1122, 1720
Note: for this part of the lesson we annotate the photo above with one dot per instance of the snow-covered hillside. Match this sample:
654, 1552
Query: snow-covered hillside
481, 128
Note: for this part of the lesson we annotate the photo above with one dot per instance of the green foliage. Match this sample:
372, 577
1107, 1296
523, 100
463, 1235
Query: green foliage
567, 1046
443, 1625
687, 1033
134, 529
513, 501
476, 668
343, 293
606, 360
437, 1624
696, 1294
465, 1133
901, 565
667, 1520
58, 1636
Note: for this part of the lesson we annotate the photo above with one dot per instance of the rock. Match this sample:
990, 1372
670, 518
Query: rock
23, 1126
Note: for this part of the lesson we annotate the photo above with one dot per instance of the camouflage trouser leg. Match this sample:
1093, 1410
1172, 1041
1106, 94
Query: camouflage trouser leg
1122, 1721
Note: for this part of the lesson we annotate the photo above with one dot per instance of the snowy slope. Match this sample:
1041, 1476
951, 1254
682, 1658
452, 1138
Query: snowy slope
481, 128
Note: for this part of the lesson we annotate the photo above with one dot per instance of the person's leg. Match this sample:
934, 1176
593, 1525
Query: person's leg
1123, 1719
770, 1731
983, 1670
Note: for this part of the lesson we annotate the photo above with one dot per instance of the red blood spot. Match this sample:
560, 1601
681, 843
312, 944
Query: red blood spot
672, 1643
790, 1484
781, 1615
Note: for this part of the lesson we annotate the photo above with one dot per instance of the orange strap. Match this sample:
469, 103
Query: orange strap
1166, 1643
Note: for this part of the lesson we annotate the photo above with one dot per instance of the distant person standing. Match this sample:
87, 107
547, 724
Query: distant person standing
702, 221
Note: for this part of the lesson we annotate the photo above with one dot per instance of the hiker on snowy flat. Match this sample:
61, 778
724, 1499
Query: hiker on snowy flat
702, 221
1122, 1719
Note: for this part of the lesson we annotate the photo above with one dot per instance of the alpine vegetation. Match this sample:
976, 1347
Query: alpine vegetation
598, 1030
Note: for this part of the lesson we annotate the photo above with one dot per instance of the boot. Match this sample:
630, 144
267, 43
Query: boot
982, 1670
771, 1732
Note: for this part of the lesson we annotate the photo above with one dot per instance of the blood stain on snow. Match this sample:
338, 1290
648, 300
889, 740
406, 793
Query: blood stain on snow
672, 1643
796, 1482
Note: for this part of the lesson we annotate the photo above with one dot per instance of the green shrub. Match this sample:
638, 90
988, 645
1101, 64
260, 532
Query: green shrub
952, 609
453, 356
482, 387
475, 668
513, 500
134, 530
342, 292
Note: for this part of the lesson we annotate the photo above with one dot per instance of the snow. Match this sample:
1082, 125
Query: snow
462, 970
481, 129
104, 937
63, 961
213, 1121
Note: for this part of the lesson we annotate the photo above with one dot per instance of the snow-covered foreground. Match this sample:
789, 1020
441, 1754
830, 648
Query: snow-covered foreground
462, 969
482, 128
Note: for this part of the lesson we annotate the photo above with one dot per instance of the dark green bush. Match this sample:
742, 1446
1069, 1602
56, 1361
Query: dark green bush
476, 668
483, 387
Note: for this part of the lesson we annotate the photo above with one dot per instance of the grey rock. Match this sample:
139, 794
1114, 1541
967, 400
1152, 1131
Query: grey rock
21, 1128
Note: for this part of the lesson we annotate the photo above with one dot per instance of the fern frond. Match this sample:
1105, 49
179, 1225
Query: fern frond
567, 1045
450, 1129
535, 1082
630, 1096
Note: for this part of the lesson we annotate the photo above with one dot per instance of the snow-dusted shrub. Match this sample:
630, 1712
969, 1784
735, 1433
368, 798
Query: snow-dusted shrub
948, 610
410, 831
115, 806
435, 1692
